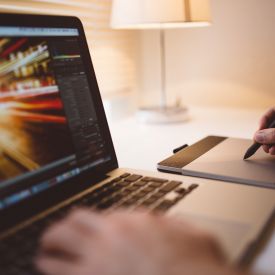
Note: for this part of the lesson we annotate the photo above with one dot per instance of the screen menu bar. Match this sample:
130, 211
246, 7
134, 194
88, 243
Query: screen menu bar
29, 31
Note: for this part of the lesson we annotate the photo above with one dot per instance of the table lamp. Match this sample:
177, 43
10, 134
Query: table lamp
161, 14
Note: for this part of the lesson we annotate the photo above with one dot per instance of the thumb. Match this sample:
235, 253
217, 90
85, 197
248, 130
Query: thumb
266, 136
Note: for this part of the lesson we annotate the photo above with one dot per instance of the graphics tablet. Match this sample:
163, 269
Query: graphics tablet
221, 158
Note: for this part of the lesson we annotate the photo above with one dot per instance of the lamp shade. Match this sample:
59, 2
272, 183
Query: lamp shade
139, 14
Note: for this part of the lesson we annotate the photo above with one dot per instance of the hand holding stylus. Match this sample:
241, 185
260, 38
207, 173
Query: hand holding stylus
265, 136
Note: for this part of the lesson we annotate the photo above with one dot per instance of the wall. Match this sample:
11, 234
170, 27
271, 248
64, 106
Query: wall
231, 63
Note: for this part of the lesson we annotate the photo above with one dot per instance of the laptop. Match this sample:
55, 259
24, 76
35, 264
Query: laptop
57, 153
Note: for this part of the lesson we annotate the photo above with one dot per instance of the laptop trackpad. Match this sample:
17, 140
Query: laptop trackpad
232, 236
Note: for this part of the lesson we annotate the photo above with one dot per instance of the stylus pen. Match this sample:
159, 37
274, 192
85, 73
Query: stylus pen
254, 148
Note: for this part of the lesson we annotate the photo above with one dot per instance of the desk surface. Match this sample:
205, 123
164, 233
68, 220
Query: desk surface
142, 146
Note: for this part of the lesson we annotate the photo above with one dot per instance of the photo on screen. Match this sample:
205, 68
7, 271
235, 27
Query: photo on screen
33, 127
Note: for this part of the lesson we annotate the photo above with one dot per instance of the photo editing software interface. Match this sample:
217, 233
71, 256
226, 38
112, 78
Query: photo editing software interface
48, 124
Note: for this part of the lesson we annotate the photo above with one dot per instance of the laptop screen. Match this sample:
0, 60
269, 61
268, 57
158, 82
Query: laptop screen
48, 124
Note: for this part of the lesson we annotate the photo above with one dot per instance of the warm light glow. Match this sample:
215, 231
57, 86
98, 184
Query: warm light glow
163, 25
156, 14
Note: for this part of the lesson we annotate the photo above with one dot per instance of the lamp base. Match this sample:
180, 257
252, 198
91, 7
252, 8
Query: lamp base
163, 115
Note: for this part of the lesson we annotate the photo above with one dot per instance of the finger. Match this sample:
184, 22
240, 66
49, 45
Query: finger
265, 136
79, 226
266, 148
55, 266
87, 221
63, 239
267, 118
272, 150
139, 220
125, 227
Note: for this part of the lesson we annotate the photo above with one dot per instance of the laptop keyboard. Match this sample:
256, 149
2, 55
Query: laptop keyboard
128, 190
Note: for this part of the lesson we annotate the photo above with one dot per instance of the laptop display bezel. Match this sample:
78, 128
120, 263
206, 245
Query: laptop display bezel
14, 214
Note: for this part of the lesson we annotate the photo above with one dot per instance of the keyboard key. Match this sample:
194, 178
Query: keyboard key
137, 197
181, 191
86, 201
125, 193
140, 195
140, 183
156, 184
106, 204
164, 205
132, 188
149, 201
123, 183
125, 175
170, 186
117, 197
129, 202
102, 195
115, 179
192, 187
148, 189
158, 195
133, 178
154, 179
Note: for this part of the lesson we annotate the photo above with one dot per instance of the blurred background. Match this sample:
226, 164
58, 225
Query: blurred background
229, 64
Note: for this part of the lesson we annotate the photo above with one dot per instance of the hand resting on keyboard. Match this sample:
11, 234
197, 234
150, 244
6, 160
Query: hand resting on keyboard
126, 243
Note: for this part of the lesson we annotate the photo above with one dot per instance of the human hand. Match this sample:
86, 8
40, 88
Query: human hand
124, 243
266, 136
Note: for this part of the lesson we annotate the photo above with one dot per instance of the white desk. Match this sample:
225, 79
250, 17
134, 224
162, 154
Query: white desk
142, 146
